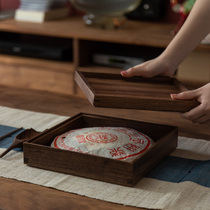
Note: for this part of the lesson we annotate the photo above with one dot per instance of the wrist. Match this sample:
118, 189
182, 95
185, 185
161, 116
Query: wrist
170, 65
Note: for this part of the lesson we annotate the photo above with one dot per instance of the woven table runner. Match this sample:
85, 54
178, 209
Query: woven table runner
180, 181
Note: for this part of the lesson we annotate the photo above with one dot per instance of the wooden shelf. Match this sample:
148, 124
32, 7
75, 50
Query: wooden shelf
38, 74
135, 32
147, 39
37, 63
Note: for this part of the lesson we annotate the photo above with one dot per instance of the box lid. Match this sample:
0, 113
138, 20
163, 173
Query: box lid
114, 91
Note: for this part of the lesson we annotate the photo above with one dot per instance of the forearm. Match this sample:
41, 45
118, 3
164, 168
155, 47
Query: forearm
196, 27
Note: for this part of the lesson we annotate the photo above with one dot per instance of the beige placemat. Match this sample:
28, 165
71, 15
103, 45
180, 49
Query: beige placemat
148, 193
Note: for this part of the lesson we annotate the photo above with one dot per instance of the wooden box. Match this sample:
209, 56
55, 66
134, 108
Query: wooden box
114, 91
38, 153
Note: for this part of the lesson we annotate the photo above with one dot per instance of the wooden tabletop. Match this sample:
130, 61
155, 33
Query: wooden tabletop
19, 195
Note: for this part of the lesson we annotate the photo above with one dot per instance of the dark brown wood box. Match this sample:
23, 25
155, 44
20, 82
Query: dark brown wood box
38, 153
111, 90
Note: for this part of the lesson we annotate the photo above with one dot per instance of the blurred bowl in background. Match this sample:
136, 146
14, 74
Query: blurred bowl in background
105, 13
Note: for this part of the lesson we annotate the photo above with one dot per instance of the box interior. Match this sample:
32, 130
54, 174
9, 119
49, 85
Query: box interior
154, 131
116, 85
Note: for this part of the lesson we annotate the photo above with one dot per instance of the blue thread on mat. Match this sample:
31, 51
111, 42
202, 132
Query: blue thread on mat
176, 169
6, 142
171, 169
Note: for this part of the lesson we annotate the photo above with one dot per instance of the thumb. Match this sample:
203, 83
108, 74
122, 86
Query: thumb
186, 95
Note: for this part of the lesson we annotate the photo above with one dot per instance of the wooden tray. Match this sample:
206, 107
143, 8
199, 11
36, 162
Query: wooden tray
115, 91
38, 153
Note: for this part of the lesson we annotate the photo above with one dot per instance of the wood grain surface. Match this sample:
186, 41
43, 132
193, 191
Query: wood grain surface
16, 195
114, 91
123, 172
23, 196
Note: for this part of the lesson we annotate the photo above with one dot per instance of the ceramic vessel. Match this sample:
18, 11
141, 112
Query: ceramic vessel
105, 13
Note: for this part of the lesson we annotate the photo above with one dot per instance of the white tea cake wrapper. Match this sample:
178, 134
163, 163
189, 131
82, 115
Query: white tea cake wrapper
111, 142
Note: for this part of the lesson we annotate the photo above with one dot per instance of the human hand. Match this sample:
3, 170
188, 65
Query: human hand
151, 68
201, 113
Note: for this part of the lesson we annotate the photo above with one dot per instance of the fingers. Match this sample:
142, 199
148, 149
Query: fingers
145, 69
134, 71
202, 119
194, 114
206, 123
201, 113
149, 69
198, 115
187, 95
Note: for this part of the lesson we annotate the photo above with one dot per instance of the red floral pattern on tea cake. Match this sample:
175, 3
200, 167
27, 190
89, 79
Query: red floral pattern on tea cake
112, 142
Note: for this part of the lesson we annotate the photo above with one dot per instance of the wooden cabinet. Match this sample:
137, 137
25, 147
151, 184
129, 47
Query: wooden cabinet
138, 39
196, 67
